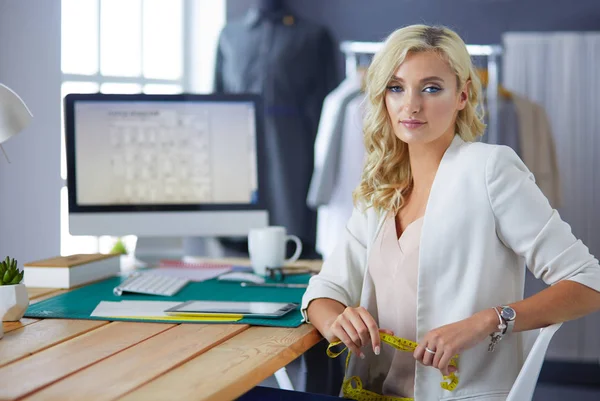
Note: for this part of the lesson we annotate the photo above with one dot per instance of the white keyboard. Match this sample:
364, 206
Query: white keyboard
152, 284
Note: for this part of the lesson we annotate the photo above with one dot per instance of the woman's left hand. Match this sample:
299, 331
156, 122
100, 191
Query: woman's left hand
452, 339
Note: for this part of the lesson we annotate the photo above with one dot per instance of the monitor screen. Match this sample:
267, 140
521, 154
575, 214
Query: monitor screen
163, 153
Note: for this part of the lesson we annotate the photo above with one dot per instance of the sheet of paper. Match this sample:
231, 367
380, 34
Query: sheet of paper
132, 308
193, 274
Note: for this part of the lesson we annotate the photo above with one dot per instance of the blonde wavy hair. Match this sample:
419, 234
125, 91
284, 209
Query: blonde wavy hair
387, 177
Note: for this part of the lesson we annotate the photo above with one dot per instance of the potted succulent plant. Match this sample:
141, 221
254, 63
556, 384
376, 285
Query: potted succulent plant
13, 294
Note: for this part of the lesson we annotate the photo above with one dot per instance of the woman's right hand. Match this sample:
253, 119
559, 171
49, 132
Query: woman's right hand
356, 328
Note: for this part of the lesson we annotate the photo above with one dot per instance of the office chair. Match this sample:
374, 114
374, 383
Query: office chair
524, 386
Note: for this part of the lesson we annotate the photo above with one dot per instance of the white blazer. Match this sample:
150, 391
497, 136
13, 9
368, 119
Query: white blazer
485, 220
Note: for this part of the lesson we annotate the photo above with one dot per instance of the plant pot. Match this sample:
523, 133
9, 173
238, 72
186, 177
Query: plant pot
13, 302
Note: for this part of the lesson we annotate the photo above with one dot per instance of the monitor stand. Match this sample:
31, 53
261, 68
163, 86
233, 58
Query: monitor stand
195, 249
152, 250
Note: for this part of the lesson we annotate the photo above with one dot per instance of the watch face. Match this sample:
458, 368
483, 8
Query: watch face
508, 313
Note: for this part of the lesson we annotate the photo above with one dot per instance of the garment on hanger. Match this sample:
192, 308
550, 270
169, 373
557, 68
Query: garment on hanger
538, 150
291, 63
333, 216
503, 93
329, 139
524, 126
508, 125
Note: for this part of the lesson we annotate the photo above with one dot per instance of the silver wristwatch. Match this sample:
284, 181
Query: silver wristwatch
509, 315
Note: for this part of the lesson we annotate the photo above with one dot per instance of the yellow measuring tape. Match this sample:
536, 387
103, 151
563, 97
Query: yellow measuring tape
353, 387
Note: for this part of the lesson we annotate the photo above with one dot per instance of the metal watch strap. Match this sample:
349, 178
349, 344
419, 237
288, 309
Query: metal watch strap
510, 324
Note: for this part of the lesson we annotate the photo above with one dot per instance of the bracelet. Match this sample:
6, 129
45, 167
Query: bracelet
502, 326
497, 336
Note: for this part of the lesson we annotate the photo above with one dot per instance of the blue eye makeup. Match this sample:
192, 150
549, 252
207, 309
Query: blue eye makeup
428, 89
394, 88
432, 89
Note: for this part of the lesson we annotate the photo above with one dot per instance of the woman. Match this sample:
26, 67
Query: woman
436, 248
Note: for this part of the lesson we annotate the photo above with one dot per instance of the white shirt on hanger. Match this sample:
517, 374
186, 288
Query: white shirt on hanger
327, 142
333, 216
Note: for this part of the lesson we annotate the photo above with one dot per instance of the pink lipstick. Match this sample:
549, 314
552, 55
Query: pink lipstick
412, 124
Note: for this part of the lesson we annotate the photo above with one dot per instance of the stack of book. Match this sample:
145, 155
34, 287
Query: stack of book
71, 271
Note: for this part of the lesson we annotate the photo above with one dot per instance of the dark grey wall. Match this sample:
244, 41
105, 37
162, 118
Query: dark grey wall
477, 21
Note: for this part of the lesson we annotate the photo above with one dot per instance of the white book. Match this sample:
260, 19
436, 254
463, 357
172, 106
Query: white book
71, 271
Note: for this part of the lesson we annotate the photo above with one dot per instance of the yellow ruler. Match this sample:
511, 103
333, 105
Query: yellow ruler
221, 319
353, 387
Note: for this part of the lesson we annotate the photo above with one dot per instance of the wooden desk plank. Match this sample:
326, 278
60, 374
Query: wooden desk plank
231, 369
10, 326
138, 365
28, 340
48, 366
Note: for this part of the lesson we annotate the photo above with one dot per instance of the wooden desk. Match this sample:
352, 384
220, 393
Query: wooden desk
61, 359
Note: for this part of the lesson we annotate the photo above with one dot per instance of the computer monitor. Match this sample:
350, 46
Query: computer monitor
165, 165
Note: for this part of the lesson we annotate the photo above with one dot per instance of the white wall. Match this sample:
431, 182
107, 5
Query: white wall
30, 185
205, 20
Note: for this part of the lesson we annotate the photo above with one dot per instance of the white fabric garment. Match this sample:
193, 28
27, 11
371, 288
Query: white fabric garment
559, 71
332, 217
485, 220
327, 142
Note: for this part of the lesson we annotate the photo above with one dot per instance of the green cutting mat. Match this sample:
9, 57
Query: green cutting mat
80, 303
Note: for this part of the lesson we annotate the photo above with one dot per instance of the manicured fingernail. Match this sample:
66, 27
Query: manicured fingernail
362, 356
377, 350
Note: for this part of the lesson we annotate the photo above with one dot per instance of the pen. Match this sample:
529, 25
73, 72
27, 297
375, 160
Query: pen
275, 285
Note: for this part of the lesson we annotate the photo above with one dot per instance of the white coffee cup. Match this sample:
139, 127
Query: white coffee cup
267, 248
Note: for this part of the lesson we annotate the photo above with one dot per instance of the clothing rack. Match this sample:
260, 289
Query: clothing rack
353, 49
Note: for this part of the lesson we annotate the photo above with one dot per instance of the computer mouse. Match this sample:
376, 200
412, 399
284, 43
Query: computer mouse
241, 277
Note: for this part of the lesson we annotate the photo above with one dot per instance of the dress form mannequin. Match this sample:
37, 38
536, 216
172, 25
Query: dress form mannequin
291, 63
269, 5
275, 10
260, 53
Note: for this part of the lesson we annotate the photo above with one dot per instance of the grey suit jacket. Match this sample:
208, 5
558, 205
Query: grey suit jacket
291, 63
